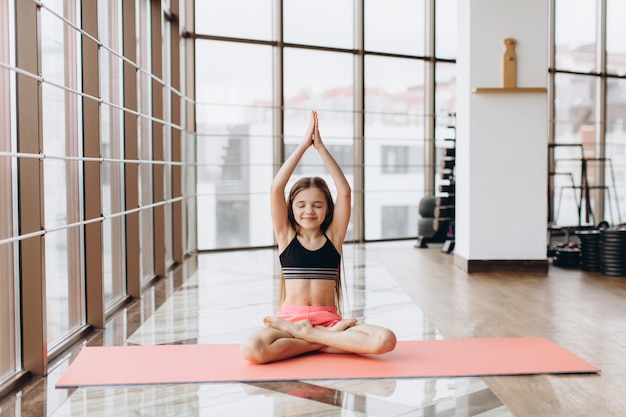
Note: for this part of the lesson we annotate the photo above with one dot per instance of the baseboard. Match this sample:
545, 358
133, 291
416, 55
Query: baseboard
501, 265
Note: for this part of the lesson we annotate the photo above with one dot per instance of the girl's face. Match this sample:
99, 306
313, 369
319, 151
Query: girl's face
309, 208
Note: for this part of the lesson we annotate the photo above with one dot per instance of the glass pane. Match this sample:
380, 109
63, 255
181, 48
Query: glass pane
575, 137
56, 6
615, 199
146, 225
445, 28
190, 217
62, 191
394, 146
395, 26
8, 251
575, 35
167, 145
235, 144
63, 316
112, 146
615, 35
445, 97
326, 87
324, 23
250, 19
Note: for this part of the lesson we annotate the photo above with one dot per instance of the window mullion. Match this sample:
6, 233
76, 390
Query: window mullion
358, 212
600, 125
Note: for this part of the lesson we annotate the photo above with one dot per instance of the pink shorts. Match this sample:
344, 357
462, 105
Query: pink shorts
318, 315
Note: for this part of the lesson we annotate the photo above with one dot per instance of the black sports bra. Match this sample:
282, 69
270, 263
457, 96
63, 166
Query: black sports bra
300, 263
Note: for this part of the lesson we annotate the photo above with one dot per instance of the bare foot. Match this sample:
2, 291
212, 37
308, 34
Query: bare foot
341, 325
286, 326
297, 330
302, 328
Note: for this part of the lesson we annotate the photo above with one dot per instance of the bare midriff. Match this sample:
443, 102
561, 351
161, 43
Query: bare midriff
310, 292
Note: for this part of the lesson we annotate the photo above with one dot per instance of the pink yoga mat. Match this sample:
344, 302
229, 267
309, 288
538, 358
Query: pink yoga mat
171, 364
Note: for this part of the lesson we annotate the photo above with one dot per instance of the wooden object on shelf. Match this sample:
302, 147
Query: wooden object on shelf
509, 64
509, 74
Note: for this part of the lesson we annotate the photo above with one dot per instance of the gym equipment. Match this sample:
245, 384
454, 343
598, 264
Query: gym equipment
437, 223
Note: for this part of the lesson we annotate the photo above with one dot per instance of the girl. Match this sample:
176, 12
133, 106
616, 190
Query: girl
310, 230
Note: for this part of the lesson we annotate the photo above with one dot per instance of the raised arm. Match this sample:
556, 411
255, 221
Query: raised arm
278, 204
341, 216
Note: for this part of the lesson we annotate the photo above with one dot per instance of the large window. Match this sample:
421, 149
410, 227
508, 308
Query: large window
316, 26
235, 143
81, 143
257, 83
394, 119
615, 150
62, 138
445, 33
319, 80
9, 332
399, 159
588, 164
575, 138
112, 145
615, 112
395, 26
249, 19
575, 34
145, 143
615, 35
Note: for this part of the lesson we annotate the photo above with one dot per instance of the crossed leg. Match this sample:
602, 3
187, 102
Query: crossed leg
271, 344
357, 338
281, 339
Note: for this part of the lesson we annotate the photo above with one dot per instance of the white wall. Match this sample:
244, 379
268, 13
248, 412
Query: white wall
501, 168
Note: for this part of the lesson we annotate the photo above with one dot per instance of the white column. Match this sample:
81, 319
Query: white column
502, 137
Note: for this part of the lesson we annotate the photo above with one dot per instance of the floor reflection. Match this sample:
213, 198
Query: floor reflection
222, 302
457, 397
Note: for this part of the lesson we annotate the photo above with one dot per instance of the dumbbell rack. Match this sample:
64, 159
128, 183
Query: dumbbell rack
445, 199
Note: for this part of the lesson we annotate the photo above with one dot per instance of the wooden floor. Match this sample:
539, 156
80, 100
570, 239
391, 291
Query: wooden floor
582, 312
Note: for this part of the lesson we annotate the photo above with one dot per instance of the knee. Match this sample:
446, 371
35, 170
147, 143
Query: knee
386, 341
253, 351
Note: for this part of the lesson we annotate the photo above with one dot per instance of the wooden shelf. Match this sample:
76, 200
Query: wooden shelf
509, 90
